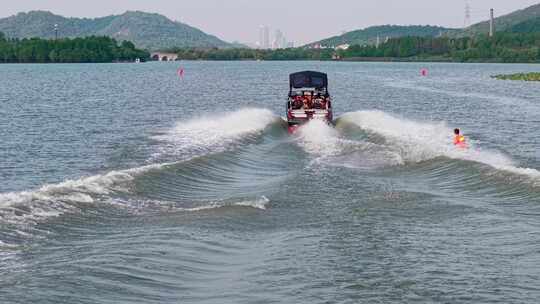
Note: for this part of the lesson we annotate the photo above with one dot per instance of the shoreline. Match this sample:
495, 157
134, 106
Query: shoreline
352, 59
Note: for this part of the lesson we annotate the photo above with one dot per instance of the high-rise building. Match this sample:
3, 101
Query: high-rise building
260, 43
266, 37
278, 40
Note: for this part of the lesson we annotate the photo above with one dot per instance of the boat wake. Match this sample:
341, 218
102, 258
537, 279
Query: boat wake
258, 203
226, 161
186, 141
416, 142
330, 147
212, 134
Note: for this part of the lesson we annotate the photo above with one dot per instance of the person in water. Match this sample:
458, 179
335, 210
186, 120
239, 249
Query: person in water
459, 140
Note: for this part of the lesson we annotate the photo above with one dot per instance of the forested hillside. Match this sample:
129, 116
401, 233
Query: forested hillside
145, 30
529, 26
369, 35
502, 23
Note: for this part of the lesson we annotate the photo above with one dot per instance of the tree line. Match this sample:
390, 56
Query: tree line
502, 47
66, 50
253, 54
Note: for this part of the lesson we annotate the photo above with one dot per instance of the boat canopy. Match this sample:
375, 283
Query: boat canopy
308, 79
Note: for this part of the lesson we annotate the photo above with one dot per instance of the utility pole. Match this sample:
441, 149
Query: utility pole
491, 24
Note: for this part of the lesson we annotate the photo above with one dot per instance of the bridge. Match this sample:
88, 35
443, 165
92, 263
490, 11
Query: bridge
161, 56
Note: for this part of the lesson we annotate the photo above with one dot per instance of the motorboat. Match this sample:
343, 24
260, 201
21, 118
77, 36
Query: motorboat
308, 99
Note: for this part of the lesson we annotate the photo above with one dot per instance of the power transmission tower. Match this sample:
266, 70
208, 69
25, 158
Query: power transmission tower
467, 20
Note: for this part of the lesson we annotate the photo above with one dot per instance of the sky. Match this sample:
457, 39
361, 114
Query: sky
301, 21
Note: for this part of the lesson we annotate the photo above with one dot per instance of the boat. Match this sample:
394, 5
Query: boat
308, 99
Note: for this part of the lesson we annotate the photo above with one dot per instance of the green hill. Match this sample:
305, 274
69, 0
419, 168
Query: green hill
369, 35
145, 30
502, 23
529, 26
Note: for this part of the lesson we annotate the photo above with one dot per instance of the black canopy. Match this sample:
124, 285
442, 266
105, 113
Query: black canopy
308, 79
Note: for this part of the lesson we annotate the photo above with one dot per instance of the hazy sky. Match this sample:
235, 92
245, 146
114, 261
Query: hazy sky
301, 21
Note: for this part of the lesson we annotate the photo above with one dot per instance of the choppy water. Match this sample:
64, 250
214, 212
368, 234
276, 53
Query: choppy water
121, 183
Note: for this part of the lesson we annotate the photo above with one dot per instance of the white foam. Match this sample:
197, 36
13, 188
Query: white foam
330, 148
51, 200
78, 190
205, 133
317, 137
259, 203
213, 132
419, 141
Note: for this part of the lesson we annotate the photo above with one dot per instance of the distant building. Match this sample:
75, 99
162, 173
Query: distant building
264, 37
260, 43
320, 46
266, 41
342, 46
278, 40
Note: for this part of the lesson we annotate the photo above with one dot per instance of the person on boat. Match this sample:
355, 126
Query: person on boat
297, 103
317, 103
459, 140
307, 102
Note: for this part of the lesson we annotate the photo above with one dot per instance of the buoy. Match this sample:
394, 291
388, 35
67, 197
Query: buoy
180, 72
424, 72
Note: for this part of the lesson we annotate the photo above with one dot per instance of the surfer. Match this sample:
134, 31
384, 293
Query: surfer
459, 140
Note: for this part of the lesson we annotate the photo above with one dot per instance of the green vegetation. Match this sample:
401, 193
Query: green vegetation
503, 47
502, 23
145, 30
529, 26
369, 35
89, 49
254, 54
519, 76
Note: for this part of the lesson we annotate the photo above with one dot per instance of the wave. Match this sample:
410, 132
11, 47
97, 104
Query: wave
215, 133
317, 137
259, 203
420, 141
206, 135
330, 147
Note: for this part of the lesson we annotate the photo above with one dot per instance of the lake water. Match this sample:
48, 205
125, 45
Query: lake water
122, 183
